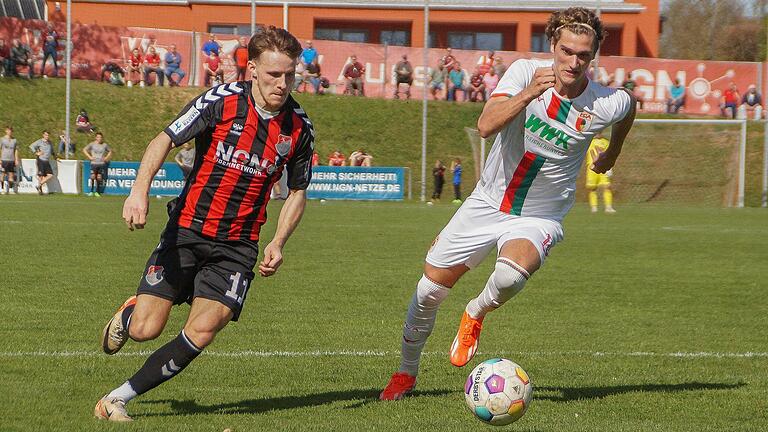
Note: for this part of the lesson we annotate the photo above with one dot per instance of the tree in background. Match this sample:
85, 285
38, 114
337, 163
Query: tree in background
714, 30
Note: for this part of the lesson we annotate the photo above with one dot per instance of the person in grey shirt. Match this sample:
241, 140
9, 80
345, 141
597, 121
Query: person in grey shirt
9, 155
99, 153
186, 158
43, 149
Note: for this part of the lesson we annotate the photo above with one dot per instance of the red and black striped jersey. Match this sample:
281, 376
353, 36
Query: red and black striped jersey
241, 151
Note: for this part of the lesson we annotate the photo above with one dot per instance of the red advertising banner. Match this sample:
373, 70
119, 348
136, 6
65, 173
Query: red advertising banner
94, 46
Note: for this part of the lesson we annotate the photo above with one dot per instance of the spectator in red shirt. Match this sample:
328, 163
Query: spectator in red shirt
337, 158
448, 60
730, 101
5, 58
213, 68
135, 63
477, 86
353, 74
486, 62
315, 159
152, 65
240, 56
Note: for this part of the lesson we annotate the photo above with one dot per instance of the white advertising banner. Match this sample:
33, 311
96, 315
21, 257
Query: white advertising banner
65, 176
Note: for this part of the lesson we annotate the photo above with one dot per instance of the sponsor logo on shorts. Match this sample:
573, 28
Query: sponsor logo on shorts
154, 275
546, 245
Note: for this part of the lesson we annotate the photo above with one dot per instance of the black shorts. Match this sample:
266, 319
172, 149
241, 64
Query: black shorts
99, 170
9, 166
186, 265
43, 168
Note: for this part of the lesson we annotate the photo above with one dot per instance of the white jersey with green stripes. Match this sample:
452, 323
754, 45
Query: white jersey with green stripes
535, 160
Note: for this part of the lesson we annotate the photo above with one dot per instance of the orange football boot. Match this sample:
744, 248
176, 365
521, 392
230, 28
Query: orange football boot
399, 386
464, 345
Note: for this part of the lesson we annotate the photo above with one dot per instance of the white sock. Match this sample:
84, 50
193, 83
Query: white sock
419, 322
124, 392
506, 280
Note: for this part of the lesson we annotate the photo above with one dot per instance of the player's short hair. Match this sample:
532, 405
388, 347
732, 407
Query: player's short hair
577, 20
271, 38
99, 133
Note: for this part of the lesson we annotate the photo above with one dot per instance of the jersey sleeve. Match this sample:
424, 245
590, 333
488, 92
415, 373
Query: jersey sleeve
515, 79
300, 165
621, 102
200, 114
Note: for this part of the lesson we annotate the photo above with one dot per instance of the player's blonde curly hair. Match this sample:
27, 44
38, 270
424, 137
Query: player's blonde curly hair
578, 20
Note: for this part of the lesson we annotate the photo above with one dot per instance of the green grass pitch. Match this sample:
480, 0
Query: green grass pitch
653, 319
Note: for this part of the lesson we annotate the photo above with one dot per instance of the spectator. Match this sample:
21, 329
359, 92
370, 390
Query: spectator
9, 157
186, 158
456, 170
752, 100
676, 97
315, 159
115, 74
485, 63
337, 158
631, 86
240, 57
448, 61
152, 65
50, 49
213, 69
456, 79
491, 80
309, 54
360, 158
403, 75
212, 46
314, 76
5, 58
438, 173
21, 55
730, 101
83, 122
499, 66
353, 74
477, 86
437, 80
134, 68
300, 78
99, 153
173, 66
43, 150
66, 146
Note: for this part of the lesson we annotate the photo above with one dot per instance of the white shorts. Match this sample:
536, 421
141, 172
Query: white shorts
477, 227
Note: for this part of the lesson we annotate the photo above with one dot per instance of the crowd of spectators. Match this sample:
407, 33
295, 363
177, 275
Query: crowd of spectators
438, 175
358, 157
450, 77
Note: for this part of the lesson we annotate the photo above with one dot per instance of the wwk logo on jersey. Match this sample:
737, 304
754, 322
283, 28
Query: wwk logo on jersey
154, 275
547, 132
239, 159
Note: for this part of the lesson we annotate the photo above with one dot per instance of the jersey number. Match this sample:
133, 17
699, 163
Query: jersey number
238, 290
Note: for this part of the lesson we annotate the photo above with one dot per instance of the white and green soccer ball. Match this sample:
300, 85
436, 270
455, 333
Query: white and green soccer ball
498, 391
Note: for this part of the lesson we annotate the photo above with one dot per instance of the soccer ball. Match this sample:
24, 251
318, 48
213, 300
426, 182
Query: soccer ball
498, 391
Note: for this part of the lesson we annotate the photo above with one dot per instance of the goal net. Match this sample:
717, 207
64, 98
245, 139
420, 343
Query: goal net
671, 161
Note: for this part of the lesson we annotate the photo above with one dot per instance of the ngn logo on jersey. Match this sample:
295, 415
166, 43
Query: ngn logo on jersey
226, 155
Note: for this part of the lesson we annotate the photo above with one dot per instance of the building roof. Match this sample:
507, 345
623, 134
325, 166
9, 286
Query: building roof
614, 6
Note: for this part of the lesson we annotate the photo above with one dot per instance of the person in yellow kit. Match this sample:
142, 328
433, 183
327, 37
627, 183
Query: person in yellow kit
597, 181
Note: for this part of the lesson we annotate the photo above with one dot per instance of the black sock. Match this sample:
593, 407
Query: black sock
164, 364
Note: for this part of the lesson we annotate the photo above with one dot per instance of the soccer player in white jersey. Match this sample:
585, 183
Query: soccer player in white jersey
546, 113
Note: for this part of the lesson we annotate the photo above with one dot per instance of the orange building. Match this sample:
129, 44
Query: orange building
514, 25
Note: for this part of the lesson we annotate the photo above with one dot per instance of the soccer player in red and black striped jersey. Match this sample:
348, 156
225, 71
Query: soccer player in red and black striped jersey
247, 135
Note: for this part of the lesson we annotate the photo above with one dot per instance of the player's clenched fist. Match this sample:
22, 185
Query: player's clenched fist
543, 78
135, 211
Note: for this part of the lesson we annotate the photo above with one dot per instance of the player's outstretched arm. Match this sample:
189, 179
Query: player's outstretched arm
501, 110
136, 206
290, 215
619, 132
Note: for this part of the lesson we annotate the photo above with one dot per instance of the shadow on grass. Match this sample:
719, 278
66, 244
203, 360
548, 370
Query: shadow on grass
567, 394
256, 406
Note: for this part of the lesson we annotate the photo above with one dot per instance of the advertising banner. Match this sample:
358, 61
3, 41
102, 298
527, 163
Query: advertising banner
169, 181
357, 183
65, 177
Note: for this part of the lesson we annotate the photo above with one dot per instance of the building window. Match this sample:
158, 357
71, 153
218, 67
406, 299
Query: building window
475, 41
347, 35
432, 39
539, 42
396, 37
232, 29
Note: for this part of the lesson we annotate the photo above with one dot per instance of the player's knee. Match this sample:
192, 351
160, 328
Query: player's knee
508, 275
142, 330
430, 293
200, 335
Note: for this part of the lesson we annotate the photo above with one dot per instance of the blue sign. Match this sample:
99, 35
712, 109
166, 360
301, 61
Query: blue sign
169, 180
357, 183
